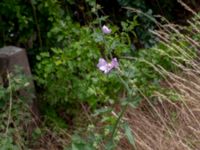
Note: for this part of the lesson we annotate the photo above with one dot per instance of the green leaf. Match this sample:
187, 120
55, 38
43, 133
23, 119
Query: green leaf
38, 131
58, 62
110, 145
38, 57
129, 135
74, 147
102, 111
44, 54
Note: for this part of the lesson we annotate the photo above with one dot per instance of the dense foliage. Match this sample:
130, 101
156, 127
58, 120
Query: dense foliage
65, 41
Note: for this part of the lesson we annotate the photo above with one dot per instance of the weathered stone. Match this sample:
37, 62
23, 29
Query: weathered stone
10, 57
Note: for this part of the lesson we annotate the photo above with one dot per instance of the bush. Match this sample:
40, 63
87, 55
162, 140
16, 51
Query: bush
70, 74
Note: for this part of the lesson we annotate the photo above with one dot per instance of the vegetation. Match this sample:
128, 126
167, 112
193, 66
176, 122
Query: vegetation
101, 82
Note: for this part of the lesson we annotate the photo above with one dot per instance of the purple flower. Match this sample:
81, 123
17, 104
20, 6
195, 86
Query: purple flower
106, 67
106, 30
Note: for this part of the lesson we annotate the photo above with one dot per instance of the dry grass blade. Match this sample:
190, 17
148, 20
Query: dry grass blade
169, 124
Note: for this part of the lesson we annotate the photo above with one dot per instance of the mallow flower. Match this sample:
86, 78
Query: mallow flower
106, 30
106, 67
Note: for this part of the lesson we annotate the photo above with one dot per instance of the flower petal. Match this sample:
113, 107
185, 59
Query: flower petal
106, 67
102, 62
114, 63
106, 30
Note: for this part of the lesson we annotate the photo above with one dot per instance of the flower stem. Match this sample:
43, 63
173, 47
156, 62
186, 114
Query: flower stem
123, 109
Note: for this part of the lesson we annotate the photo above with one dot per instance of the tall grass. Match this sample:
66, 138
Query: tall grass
172, 122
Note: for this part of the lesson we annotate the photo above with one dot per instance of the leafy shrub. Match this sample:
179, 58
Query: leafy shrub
69, 74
